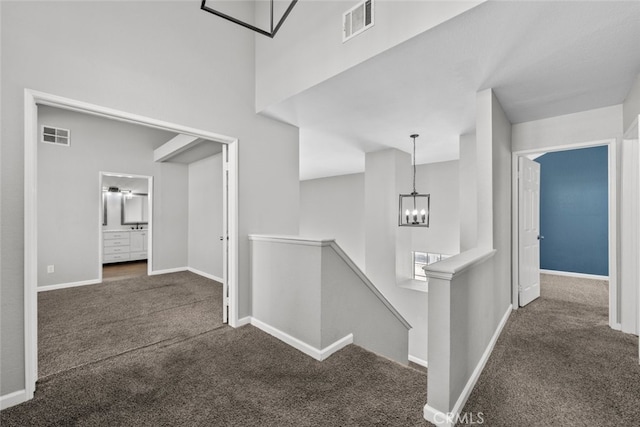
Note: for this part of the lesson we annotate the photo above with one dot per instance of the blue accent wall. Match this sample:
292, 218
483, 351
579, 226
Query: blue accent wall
574, 209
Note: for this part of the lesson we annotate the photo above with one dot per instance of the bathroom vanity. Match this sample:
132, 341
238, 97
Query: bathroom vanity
124, 245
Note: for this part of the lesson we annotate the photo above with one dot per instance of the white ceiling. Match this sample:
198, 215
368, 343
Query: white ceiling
203, 149
542, 59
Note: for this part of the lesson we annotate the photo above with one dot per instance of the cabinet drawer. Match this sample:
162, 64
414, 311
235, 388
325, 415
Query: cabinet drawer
138, 255
115, 258
118, 242
116, 235
115, 249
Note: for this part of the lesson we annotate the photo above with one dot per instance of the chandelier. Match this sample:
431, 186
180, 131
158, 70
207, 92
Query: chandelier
413, 210
273, 26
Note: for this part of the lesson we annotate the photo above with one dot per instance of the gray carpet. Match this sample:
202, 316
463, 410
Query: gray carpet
228, 377
557, 363
90, 323
219, 377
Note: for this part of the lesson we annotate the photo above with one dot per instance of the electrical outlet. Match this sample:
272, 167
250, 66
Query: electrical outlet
50, 269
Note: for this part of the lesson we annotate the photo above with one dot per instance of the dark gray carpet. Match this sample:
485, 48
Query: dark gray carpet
557, 363
89, 323
160, 358
228, 377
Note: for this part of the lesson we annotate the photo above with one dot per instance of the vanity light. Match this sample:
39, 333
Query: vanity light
413, 210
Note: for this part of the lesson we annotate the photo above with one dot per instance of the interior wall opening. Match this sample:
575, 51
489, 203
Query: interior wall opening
64, 206
577, 214
126, 223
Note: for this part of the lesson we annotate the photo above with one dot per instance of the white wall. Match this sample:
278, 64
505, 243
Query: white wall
308, 48
441, 181
586, 126
493, 149
467, 310
205, 215
287, 295
631, 105
69, 194
333, 208
170, 201
350, 306
308, 290
382, 187
501, 188
468, 193
629, 216
160, 61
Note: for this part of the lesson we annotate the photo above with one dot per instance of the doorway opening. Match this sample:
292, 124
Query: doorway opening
126, 216
526, 265
35, 99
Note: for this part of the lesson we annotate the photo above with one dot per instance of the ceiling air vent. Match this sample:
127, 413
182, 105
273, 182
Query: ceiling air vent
56, 136
357, 19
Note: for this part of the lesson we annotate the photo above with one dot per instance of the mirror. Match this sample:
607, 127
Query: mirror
104, 208
135, 209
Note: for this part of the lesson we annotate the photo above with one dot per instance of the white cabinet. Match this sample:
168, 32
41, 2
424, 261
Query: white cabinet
138, 244
124, 245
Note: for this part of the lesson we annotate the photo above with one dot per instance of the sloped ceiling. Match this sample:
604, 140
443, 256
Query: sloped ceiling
542, 59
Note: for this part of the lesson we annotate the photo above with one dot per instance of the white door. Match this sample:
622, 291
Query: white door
225, 234
528, 230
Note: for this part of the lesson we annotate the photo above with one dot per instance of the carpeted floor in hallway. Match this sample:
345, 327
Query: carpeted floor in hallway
557, 363
209, 375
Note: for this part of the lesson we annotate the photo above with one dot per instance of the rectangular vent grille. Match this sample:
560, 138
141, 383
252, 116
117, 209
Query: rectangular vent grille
58, 136
357, 19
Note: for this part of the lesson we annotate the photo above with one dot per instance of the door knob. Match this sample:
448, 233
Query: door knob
540, 237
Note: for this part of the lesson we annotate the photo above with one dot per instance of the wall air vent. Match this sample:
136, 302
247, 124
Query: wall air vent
357, 19
52, 135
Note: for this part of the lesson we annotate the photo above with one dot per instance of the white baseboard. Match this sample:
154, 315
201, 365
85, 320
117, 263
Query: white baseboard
336, 346
572, 274
418, 361
318, 354
168, 270
68, 285
243, 321
443, 419
438, 418
12, 399
203, 274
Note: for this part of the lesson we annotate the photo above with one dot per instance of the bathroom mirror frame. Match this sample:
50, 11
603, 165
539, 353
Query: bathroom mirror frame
123, 209
104, 208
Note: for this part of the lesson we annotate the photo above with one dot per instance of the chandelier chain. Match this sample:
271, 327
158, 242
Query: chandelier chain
414, 163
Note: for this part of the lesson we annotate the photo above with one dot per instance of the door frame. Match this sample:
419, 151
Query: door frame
149, 224
612, 212
32, 99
